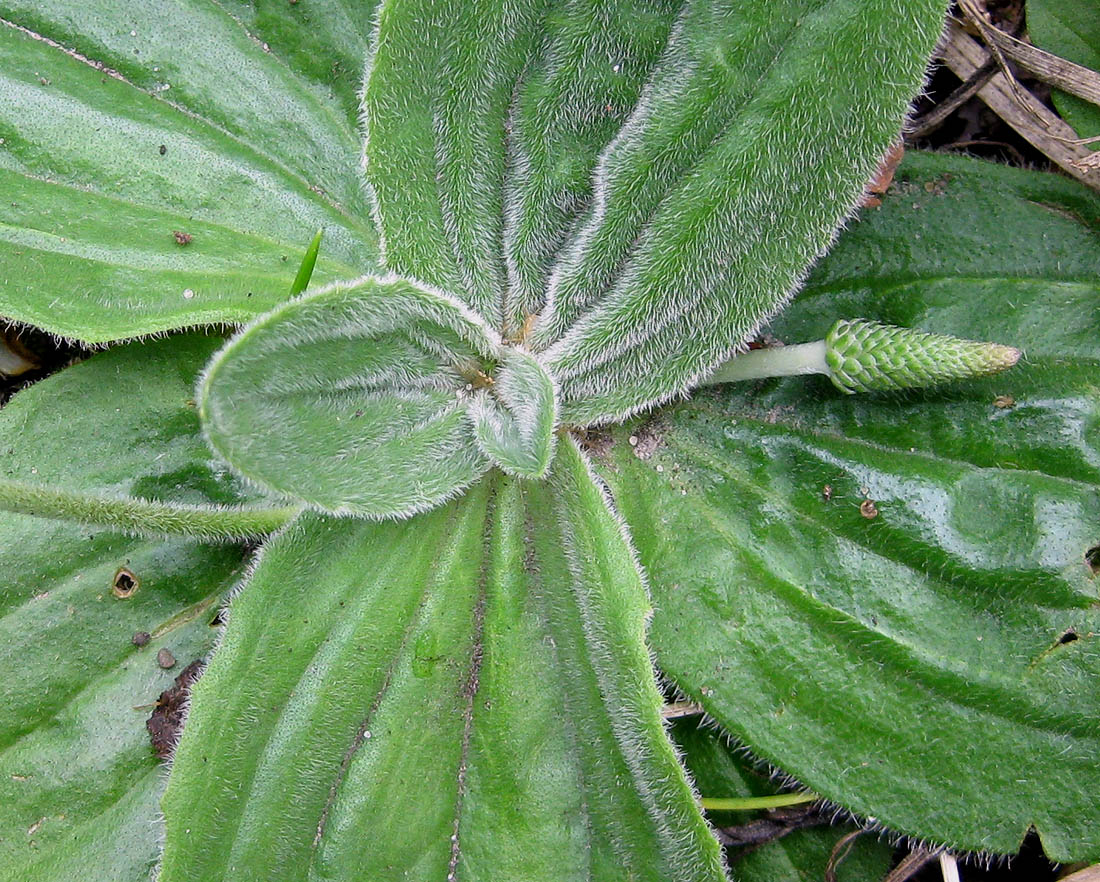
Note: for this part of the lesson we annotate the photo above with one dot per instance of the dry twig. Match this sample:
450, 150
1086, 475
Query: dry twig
1047, 132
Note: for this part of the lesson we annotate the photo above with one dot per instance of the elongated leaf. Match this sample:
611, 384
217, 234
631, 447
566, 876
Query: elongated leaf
79, 781
107, 154
465, 695
351, 398
694, 221
927, 657
799, 856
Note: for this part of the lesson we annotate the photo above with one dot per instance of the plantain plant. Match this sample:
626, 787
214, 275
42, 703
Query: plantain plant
499, 419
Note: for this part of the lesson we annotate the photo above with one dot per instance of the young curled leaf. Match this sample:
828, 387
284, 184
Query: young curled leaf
514, 422
350, 399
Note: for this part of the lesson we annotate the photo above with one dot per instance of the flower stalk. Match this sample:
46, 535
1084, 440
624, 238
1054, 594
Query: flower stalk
859, 355
143, 517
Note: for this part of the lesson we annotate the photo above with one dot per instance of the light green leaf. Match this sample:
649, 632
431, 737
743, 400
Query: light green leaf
800, 856
464, 695
1071, 29
324, 41
103, 164
514, 422
927, 657
352, 398
690, 226
79, 781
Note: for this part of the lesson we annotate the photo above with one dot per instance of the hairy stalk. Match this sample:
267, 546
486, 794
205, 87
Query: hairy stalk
749, 803
784, 361
862, 356
144, 517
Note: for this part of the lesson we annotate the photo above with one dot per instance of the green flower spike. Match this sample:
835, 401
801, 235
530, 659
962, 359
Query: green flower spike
859, 355
863, 356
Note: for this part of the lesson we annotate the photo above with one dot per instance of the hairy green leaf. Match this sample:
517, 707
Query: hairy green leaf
691, 226
893, 599
352, 398
323, 41
123, 128
79, 781
1071, 29
461, 696
514, 422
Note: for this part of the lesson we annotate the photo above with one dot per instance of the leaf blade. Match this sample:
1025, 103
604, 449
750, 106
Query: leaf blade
723, 242
78, 778
906, 662
108, 171
437, 720
357, 389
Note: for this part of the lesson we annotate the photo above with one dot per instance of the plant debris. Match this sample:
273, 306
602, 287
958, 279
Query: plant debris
166, 721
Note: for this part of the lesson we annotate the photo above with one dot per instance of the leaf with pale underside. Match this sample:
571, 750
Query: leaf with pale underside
641, 251
122, 128
895, 599
79, 781
351, 398
465, 695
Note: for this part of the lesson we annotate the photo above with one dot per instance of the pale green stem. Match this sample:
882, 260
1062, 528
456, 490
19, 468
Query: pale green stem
143, 517
749, 803
859, 355
783, 361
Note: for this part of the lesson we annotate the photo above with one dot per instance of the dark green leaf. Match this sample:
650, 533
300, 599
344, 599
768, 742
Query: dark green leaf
799, 856
463, 695
324, 41
1071, 29
79, 781
892, 599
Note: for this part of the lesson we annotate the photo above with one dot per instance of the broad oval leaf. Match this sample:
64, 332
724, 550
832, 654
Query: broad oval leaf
462, 696
894, 599
128, 125
352, 398
79, 781
648, 253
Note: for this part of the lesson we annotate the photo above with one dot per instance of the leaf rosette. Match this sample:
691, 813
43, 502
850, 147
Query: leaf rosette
574, 213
